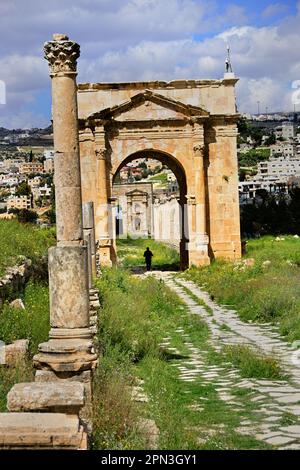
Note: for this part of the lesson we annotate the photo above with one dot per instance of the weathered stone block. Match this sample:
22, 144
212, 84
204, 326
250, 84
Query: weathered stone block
83, 377
68, 284
88, 215
67, 397
41, 431
15, 352
18, 304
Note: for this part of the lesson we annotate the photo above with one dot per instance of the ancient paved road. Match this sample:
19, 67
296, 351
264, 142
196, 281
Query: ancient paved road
274, 398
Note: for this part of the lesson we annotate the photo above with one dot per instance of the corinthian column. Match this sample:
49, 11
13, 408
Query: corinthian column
102, 215
198, 247
69, 348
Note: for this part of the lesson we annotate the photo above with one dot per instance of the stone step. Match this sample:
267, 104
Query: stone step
58, 397
41, 431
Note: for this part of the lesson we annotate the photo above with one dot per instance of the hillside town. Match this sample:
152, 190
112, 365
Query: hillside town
26, 174
269, 156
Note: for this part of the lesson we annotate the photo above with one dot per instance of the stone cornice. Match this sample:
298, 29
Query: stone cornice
175, 84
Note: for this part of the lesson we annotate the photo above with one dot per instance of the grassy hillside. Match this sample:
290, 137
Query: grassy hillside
19, 240
268, 291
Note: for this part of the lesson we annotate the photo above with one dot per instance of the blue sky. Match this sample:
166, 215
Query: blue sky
150, 39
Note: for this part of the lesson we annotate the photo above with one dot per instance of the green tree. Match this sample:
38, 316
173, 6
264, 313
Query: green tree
25, 216
271, 140
23, 189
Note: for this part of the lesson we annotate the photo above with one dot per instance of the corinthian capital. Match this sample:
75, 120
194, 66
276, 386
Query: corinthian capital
101, 154
62, 54
198, 148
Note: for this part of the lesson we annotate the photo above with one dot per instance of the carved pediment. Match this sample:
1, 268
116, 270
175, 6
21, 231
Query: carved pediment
137, 192
149, 106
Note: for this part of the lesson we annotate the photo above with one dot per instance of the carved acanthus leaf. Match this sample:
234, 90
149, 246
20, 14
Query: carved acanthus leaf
101, 154
62, 55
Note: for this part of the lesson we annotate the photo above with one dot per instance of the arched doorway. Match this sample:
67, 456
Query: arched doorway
169, 161
191, 126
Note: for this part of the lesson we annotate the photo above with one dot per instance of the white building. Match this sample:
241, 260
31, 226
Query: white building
288, 130
8, 180
248, 189
284, 148
18, 202
278, 167
49, 153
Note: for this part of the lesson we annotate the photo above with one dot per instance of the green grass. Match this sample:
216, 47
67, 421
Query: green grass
130, 253
31, 323
159, 178
137, 314
252, 364
19, 240
259, 293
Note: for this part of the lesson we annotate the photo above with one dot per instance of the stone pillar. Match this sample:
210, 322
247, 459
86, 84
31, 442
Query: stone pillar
198, 246
113, 228
89, 236
70, 347
102, 213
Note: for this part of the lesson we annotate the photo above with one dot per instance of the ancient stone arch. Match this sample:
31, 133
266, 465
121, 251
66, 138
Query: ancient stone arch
190, 125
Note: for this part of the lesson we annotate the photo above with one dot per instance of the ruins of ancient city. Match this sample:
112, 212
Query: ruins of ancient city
149, 299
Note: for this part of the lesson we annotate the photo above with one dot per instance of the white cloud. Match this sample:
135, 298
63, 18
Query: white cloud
273, 10
147, 39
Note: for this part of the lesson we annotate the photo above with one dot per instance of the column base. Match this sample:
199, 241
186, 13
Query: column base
198, 251
66, 355
104, 251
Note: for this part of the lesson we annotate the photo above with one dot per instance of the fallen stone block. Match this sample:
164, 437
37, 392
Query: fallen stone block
93, 320
83, 377
18, 304
41, 431
12, 353
67, 397
95, 304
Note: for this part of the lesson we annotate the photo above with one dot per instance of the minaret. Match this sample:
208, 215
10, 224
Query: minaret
228, 66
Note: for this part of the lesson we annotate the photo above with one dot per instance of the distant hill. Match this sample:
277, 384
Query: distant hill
47, 130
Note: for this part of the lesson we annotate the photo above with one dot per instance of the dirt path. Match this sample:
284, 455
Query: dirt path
275, 415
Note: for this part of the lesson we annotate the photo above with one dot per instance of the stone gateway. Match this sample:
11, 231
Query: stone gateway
190, 126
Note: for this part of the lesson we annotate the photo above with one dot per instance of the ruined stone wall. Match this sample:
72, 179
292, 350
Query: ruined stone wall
166, 221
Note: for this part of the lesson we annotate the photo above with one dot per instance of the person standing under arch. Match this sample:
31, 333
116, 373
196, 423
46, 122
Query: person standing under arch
148, 258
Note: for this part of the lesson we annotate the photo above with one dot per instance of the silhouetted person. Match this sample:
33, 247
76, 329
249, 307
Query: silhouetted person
148, 258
